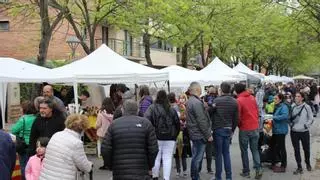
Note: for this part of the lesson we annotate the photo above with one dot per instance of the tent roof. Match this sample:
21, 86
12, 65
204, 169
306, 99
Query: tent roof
12, 70
300, 77
180, 76
217, 67
244, 69
105, 66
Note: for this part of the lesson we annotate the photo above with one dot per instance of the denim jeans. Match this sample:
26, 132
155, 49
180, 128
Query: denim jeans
222, 138
23, 160
249, 138
198, 149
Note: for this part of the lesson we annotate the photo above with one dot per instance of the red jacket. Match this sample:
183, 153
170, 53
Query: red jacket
248, 112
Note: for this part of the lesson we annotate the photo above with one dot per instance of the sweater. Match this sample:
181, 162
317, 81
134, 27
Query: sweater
225, 113
303, 122
104, 120
17, 129
248, 112
145, 102
33, 168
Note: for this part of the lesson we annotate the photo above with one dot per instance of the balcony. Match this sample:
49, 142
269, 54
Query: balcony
130, 50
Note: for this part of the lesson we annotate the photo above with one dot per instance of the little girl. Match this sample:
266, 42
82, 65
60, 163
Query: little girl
104, 120
35, 163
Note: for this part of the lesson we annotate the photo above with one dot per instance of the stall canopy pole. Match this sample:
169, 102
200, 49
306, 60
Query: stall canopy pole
76, 100
3, 102
168, 82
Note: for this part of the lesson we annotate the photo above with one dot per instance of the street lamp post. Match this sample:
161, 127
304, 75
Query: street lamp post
73, 43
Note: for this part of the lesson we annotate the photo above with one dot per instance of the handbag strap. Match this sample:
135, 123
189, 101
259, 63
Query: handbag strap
24, 121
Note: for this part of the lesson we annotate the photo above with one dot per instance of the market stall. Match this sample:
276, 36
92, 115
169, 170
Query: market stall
217, 70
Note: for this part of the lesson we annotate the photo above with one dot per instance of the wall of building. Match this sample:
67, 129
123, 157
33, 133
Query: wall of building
21, 41
163, 58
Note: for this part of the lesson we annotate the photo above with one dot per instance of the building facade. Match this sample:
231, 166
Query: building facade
20, 36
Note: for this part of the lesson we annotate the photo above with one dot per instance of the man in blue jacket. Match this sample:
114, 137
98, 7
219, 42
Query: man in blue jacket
7, 156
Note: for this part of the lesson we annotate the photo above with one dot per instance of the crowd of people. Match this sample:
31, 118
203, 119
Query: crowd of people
136, 138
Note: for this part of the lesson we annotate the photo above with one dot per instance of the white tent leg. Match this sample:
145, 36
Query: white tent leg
76, 101
3, 102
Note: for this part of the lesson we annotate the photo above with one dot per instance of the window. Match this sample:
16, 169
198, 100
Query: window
4, 25
4, 1
162, 45
128, 43
105, 35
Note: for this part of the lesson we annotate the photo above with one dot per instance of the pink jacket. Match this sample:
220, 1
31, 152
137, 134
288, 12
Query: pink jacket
33, 168
104, 120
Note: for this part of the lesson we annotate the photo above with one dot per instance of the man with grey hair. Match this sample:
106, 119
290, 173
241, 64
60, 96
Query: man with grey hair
48, 94
199, 127
130, 145
48, 122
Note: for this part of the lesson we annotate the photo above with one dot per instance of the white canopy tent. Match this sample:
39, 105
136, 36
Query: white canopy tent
12, 70
286, 79
218, 70
302, 77
180, 76
272, 79
105, 66
246, 70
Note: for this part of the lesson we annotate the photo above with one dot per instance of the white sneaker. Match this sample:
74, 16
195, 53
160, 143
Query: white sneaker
178, 174
185, 173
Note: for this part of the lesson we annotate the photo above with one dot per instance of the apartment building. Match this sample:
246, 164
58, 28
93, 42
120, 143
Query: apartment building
20, 36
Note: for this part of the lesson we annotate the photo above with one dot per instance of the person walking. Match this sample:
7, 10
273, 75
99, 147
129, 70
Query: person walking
259, 99
130, 145
279, 132
167, 126
183, 148
301, 120
224, 116
104, 120
7, 156
47, 123
248, 130
65, 154
22, 129
199, 127
145, 101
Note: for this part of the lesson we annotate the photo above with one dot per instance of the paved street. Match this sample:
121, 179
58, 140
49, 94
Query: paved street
236, 162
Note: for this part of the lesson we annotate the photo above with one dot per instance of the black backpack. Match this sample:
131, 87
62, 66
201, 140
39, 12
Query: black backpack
165, 126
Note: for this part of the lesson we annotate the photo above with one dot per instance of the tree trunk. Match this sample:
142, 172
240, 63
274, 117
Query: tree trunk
92, 43
201, 51
184, 57
146, 44
45, 32
260, 67
210, 53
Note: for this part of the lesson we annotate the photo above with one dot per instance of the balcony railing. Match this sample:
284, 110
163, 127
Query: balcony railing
124, 48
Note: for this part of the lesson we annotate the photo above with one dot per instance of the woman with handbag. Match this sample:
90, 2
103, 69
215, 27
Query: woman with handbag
22, 131
167, 126
301, 121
